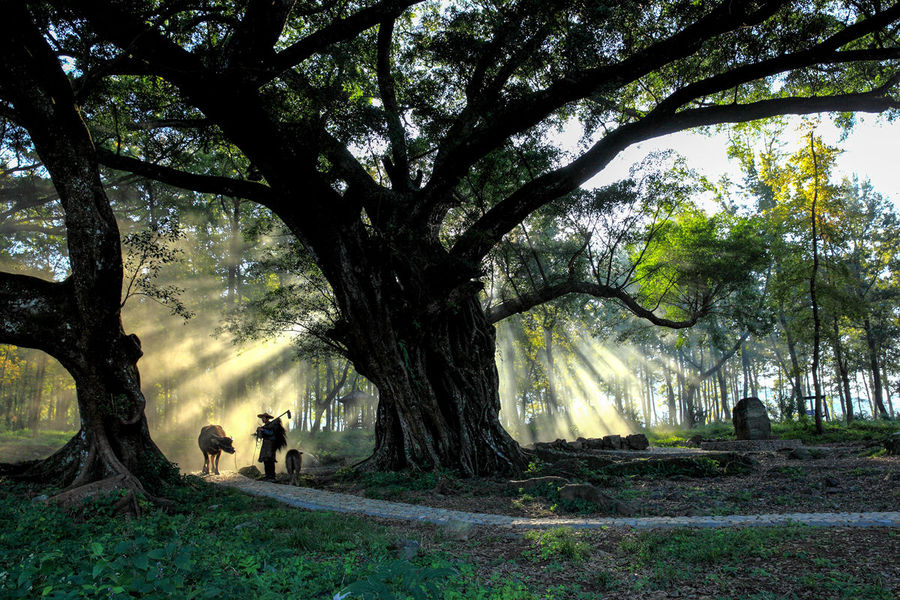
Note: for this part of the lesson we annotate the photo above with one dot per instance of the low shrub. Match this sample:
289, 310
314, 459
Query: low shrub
557, 543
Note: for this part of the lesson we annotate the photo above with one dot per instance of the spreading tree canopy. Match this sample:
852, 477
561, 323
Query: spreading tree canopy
400, 141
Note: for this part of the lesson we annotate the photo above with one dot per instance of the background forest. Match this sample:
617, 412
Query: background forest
231, 319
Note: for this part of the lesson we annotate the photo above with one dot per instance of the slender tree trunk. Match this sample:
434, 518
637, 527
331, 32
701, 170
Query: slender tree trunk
552, 394
723, 396
796, 375
670, 397
745, 369
879, 410
865, 382
233, 211
36, 400
754, 379
887, 388
843, 370
817, 324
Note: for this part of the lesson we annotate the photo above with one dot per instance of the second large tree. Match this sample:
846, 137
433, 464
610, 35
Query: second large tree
360, 124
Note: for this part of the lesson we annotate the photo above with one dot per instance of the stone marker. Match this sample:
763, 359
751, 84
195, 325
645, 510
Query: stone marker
612, 442
637, 441
892, 444
750, 420
250, 471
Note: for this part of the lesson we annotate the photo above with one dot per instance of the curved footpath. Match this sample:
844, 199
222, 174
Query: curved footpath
313, 499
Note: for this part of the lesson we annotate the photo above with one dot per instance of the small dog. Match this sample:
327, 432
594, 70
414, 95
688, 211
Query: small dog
293, 462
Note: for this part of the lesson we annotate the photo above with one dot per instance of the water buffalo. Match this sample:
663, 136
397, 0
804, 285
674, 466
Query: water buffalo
212, 441
293, 462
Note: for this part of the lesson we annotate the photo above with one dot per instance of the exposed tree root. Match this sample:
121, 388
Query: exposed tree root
88, 467
74, 499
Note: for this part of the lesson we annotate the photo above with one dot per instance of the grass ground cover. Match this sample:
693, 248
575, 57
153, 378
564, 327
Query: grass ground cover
25, 444
219, 543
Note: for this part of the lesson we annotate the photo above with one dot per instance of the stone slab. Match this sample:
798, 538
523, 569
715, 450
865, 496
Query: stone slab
751, 445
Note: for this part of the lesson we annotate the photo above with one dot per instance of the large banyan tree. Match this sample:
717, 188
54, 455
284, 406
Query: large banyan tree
363, 124
77, 320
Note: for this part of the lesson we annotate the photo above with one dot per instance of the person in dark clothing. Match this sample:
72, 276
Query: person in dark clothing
273, 439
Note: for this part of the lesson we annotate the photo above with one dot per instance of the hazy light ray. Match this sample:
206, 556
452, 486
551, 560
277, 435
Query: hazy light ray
585, 407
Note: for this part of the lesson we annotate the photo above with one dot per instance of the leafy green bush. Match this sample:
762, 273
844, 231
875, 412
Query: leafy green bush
559, 542
397, 580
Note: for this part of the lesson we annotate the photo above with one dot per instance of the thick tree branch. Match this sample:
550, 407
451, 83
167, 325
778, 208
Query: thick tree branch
339, 30
551, 292
466, 145
399, 170
284, 153
826, 52
34, 313
253, 40
485, 233
32, 80
204, 184
17, 228
119, 20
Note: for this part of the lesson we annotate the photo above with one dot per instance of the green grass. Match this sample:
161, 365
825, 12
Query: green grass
678, 556
557, 543
218, 544
668, 436
861, 430
24, 444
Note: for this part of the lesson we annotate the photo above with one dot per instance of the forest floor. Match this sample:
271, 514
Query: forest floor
764, 563
251, 547
840, 477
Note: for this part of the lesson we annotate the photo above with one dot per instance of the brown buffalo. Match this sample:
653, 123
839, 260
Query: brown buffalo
293, 462
212, 441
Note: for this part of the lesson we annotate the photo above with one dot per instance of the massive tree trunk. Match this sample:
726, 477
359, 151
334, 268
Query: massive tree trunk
423, 339
114, 439
440, 401
76, 321
439, 396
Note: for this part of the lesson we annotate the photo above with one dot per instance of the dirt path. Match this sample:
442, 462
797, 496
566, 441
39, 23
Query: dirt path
313, 499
